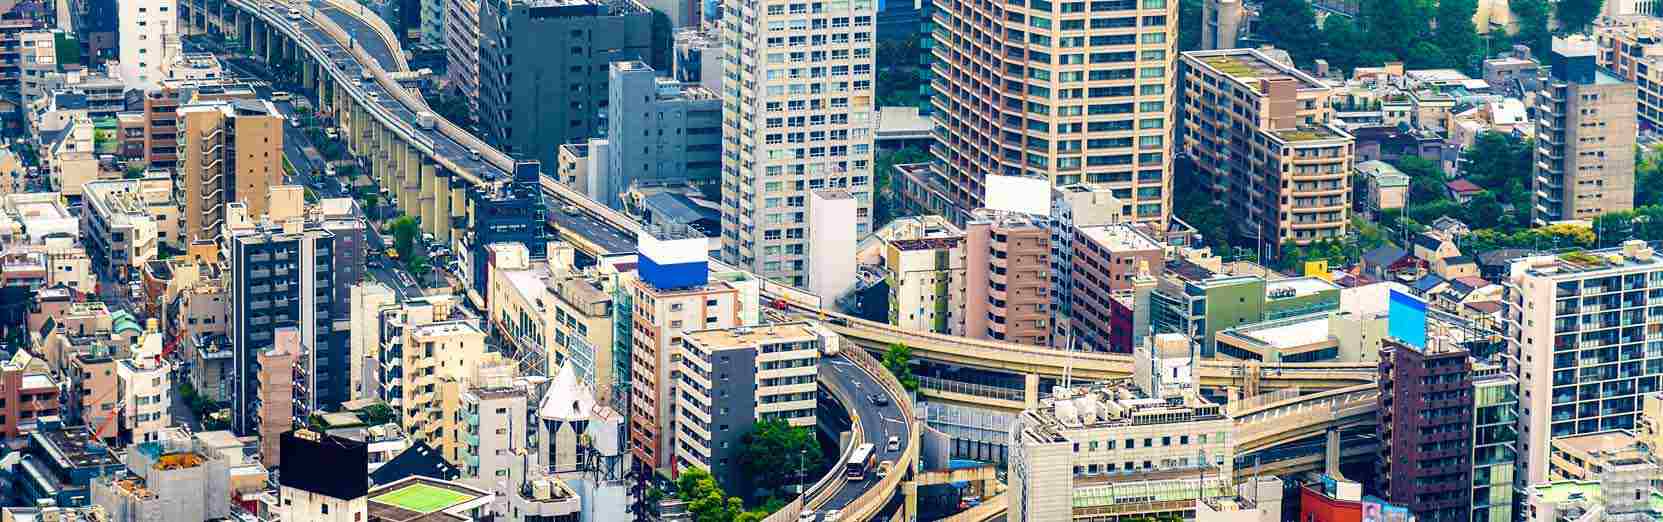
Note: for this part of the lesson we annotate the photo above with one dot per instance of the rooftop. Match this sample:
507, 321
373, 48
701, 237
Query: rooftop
1120, 238
1312, 133
1297, 287
751, 336
1248, 66
1293, 332
1115, 404
422, 499
75, 447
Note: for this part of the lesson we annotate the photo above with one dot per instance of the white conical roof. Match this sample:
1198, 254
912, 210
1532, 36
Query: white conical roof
568, 399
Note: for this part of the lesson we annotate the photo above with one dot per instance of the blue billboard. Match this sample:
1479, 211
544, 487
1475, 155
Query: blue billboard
1406, 320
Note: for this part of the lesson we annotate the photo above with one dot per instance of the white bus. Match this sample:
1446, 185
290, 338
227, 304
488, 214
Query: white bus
860, 461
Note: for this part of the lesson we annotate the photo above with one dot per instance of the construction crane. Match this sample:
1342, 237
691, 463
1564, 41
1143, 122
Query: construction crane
98, 433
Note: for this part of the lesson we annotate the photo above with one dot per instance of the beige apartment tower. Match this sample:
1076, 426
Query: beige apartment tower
1585, 130
230, 151
797, 117
1067, 91
1259, 131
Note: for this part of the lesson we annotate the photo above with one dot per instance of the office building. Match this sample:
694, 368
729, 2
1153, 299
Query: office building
785, 138
462, 50
1578, 307
553, 314
62, 463
1114, 65
1585, 131
433, 21
1010, 252
659, 131
511, 213
766, 373
1260, 133
1495, 400
146, 26
674, 295
1080, 450
230, 152
1425, 428
1201, 302
543, 68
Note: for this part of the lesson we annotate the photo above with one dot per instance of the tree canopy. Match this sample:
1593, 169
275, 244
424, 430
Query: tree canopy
898, 360
776, 451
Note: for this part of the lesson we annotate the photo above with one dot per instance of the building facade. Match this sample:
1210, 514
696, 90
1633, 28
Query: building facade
1008, 278
659, 131
1425, 429
1593, 327
1112, 65
145, 28
1585, 130
735, 377
229, 152
543, 68
786, 137
1260, 132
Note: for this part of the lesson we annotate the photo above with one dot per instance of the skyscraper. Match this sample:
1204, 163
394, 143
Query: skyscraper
797, 118
1585, 131
1067, 91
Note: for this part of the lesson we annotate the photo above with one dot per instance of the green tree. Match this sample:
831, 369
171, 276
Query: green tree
1290, 25
705, 499
887, 206
898, 360
1342, 43
775, 451
405, 231
1533, 18
1575, 15
1484, 211
1392, 27
1455, 33
1426, 180
379, 413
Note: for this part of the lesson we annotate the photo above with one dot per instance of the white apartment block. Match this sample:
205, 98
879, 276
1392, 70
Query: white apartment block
1585, 343
144, 387
143, 27
797, 117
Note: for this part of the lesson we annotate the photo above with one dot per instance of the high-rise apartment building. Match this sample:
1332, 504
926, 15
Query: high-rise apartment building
433, 21
1585, 131
1221, 23
230, 152
1008, 278
1069, 92
292, 273
923, 260
733, 377
674, 295
1259, 132
659, 130
543, 67
1578, 343
144, 28
462, 50
1425, 429
797, 117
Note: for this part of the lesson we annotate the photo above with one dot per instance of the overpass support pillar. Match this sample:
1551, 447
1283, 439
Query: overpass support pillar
458, 200
410, 182
441, 203
1331, 453
428, 176
1030, 390
909, 503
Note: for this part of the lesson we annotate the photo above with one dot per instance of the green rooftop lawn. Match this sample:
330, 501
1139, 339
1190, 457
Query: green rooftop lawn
422, 498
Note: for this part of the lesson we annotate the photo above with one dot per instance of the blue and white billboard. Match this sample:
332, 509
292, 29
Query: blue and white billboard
673, 263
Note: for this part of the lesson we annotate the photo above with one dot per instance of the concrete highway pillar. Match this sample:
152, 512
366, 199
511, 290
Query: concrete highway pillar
441, 203
909, 503
410, 184
458, 199
1030, 390
428, 182
1331, 453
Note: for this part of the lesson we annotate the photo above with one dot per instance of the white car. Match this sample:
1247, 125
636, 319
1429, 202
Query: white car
894, 443
832, 516
807, 516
